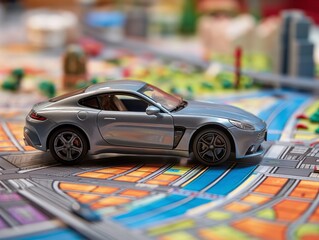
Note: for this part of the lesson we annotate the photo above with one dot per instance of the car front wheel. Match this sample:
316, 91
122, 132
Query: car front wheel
68, 146
211, 147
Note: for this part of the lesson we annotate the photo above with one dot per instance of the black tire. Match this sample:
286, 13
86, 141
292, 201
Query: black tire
68, 146
211, 147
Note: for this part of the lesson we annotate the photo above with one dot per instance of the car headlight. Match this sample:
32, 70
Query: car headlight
242, 125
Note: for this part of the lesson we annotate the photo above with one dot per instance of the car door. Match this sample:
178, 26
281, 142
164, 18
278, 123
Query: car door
123, 122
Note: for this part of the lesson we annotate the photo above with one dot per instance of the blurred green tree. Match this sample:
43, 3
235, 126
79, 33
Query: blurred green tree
189, 18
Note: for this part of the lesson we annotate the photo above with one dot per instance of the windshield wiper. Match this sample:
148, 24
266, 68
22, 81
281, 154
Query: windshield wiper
180, 106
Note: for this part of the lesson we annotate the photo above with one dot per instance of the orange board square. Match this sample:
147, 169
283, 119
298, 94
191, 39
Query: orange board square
148, 169
309, 184
292, 205
261, 229
256, 199
95, 175
105, 189
275, 181
289, 210
3, 137
76, 187
155, 182
110, 201
209, 234
314, 218
166, 177
127, 179
287, 215
74, 194
267, 189
134, 193
300, 192
6, 149
237, 207
6, 144
29, 148
86, 198
127, 167
111, 170
138, 174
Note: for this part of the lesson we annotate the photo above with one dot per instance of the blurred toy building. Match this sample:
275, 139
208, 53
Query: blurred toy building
220, 25
296, 52
281, 38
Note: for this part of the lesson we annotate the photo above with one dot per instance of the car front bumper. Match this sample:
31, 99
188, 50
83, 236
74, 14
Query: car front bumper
248, 143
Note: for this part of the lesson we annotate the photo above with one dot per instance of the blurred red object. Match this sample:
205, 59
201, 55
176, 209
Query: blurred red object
126, 72
301, 126
238, 54
301, 116
91, 46
314, 144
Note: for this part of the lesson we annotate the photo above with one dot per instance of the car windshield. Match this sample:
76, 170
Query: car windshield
168, 101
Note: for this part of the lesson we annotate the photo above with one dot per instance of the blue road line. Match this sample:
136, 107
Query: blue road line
163, 202
289, 103
264, 115
279, 123
232, 179
175, 212
61, 234
206, 178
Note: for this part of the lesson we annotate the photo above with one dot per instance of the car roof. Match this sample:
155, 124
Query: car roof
131, 85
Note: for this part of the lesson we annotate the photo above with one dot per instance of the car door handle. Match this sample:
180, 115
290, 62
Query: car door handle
109, 118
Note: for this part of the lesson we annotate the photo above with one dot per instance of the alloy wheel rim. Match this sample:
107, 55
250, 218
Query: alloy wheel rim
212, 147
68, 146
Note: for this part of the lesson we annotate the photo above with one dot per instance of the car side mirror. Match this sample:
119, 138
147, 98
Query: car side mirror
152, 110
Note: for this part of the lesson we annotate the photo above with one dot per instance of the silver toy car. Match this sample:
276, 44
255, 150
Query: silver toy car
133, 117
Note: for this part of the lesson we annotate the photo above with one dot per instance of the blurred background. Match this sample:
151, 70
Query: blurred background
188, 47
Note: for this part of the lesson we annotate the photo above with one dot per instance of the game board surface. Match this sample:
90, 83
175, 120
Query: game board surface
146, 197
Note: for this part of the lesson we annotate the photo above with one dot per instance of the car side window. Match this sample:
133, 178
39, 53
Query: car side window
91, 102
132, 103
122, 102
107, 102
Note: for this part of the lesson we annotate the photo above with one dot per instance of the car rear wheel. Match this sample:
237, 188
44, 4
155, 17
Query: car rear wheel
211, 147
68, 146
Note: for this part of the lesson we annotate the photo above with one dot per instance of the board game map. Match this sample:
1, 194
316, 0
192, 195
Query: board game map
146, 197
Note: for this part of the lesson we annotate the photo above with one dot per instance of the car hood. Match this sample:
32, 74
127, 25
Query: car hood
197, 108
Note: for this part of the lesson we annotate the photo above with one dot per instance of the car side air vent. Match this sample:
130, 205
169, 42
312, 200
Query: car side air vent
178, 134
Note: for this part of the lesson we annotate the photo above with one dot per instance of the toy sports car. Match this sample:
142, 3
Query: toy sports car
127, 116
